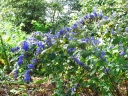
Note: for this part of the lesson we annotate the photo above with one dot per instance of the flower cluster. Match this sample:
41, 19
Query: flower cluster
20, 60
71, 50
102, 56
122, 53
27, 77
91, 40
25, 46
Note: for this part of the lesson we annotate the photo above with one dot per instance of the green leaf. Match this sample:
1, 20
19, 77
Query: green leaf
39, 81
116, 40
101, 75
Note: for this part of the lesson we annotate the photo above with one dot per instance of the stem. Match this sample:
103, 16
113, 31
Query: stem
5, 54
113, 83
87, 93
126, 81
126, 87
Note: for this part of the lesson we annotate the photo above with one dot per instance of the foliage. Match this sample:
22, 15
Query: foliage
101, 59
8, 34
87, 57
45, 13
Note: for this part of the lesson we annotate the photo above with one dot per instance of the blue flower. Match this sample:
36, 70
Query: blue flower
122, 53
16, 73
27, 78
91, 16
20, 61
25, 46
78, 61
38, 50
14, 49
31, 66
101, 14
86, 40
73, 89
95, 13
34, 61
68, 29
105, 17
74, 26
126, 29
40, 44
21, 57
106, 70
85, 17
61, 32
113, 32
71, 49
28, 71
81, 21
102, 56
96, 42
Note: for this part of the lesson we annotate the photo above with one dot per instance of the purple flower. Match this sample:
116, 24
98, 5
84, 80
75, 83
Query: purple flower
101, 14
102, 56
113, 32
25, 46
21, 56
67, 29
38, 50
74, 26
85, 17
81, 21
86, 40
20, 61
16, 73
106, 70
27, 78
122, 53
40, 44
34, 61
37, 33
126, 29
78, 61
71, 49
95, 13
95, 41
14, 49
73, 89
31, 66
61, 32
28, 71
91, 16
105, 17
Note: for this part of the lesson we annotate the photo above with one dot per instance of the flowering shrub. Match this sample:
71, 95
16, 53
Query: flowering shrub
90, 54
